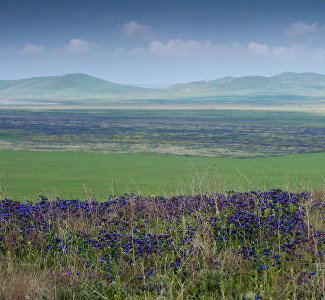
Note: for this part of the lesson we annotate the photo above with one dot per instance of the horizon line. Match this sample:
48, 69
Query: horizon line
160, 85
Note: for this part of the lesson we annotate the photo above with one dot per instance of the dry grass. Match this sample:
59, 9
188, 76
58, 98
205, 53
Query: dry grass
25, 282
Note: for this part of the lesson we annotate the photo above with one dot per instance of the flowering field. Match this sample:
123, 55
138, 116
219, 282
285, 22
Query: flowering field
195, 132
255, 245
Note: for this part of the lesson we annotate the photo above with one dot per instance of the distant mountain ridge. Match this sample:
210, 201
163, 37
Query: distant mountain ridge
286, 83
69, 86
82, 86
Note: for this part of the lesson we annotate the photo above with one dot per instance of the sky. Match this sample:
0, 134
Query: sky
160, 42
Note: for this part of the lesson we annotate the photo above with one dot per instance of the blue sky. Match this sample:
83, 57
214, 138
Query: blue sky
153, 42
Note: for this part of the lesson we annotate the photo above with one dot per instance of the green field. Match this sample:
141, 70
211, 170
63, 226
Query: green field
26, 174
115, 151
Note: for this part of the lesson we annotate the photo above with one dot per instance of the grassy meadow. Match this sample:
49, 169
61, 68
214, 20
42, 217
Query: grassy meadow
27, 174
174, 204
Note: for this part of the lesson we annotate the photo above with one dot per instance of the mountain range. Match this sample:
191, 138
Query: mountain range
83, 86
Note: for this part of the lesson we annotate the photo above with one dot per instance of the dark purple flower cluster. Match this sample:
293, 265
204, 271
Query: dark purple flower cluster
267, 229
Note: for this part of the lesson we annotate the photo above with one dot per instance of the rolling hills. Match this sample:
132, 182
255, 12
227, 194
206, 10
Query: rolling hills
83, 86
287, 83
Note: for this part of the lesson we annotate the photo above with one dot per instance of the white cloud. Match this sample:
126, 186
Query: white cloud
77, 46
259, 49
133, 28
30, 49
299, 52
301, 28
187, 49
289, 52
179, 48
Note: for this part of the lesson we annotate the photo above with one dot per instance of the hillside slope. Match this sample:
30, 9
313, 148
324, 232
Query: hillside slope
69, 86
85, 87
288, 83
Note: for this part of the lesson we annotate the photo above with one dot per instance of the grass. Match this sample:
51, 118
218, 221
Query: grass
257, 245
26, 174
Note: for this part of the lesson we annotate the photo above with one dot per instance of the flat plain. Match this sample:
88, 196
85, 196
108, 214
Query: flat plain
215, 133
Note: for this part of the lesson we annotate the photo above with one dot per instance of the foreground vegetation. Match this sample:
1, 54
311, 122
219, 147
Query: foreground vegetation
255, 245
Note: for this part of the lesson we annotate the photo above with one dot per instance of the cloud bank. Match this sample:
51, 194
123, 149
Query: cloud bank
77, 46
31, 49
259, 49
301, 28
134, 29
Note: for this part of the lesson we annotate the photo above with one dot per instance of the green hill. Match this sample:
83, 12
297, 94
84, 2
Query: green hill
82, 87
70, 86
288, 83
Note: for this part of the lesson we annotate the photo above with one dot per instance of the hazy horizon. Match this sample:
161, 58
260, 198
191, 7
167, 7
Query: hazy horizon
161, 86
159, 43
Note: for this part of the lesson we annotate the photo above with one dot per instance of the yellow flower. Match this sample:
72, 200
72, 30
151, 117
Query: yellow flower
28, 243
261, 285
